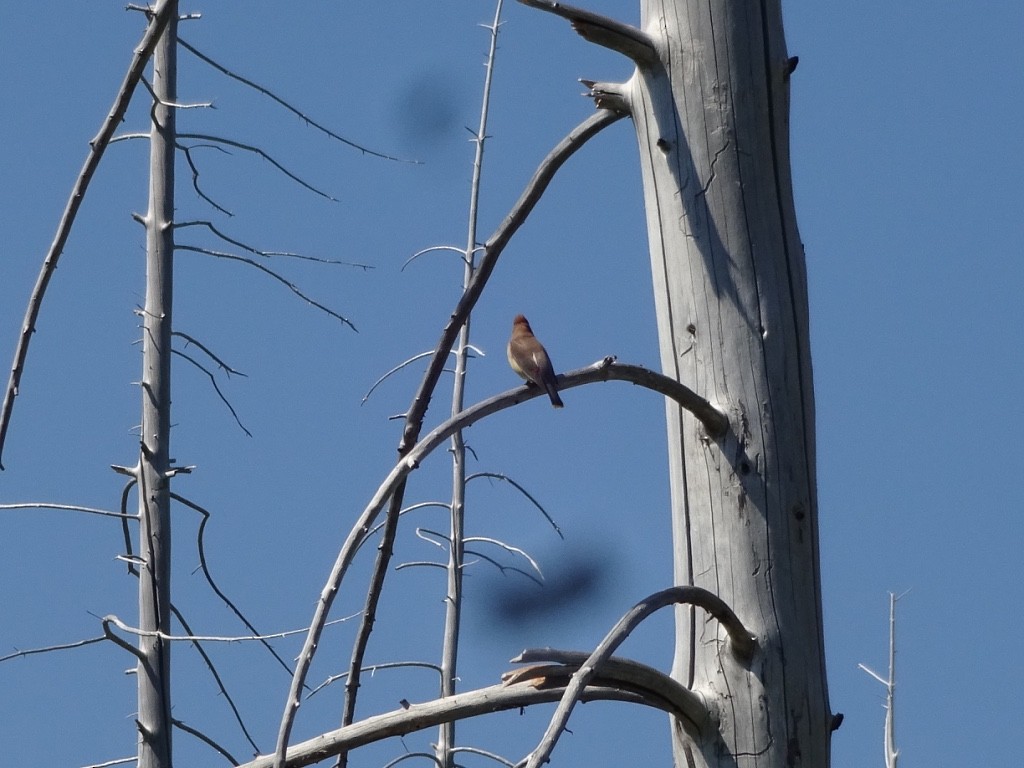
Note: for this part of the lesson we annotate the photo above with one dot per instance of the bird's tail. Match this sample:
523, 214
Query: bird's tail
556, 401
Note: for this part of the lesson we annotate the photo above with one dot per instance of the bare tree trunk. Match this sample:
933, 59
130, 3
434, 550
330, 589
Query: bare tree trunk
711, 112
154, 470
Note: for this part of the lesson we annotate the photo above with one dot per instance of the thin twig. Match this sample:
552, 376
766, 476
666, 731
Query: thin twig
258, 252
522, 490
128, 550
218, 680
431, 249
187, 152
262, 153
201, 546
394, 370
502, 568
510, 549
253, 263
411, 508
206, 740
484, 753
419, 564
216, 387
305, 118
409, 755
171, 104
372, 669
68, 508
220, 363
115, 761
49, 648
111, 619
161, 13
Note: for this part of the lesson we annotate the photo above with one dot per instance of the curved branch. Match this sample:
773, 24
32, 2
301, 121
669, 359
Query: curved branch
261, 153
603, 31
417, 717
201, 547
484, 753
108, 634
159, 17
205, 739
49, 648
268, 254
715, 422
518, 487
283, 280
372, 669
209, 353
216, 387
197, 644
395, 483
742, 643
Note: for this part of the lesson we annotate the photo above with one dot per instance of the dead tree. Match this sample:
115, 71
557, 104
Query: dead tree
710, 102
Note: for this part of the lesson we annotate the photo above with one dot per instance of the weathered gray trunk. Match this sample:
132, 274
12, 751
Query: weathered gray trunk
153, 474
731, 293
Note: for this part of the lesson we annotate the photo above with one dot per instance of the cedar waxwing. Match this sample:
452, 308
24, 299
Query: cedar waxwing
530, 360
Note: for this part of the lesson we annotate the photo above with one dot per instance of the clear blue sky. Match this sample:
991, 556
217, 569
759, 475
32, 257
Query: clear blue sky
907, 159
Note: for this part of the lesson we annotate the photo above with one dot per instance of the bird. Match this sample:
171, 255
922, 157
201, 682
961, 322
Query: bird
530, 360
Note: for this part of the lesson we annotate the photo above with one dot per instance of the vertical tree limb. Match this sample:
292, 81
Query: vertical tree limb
154, 468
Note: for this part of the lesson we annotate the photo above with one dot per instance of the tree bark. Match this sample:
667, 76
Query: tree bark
154, 468
711, 112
